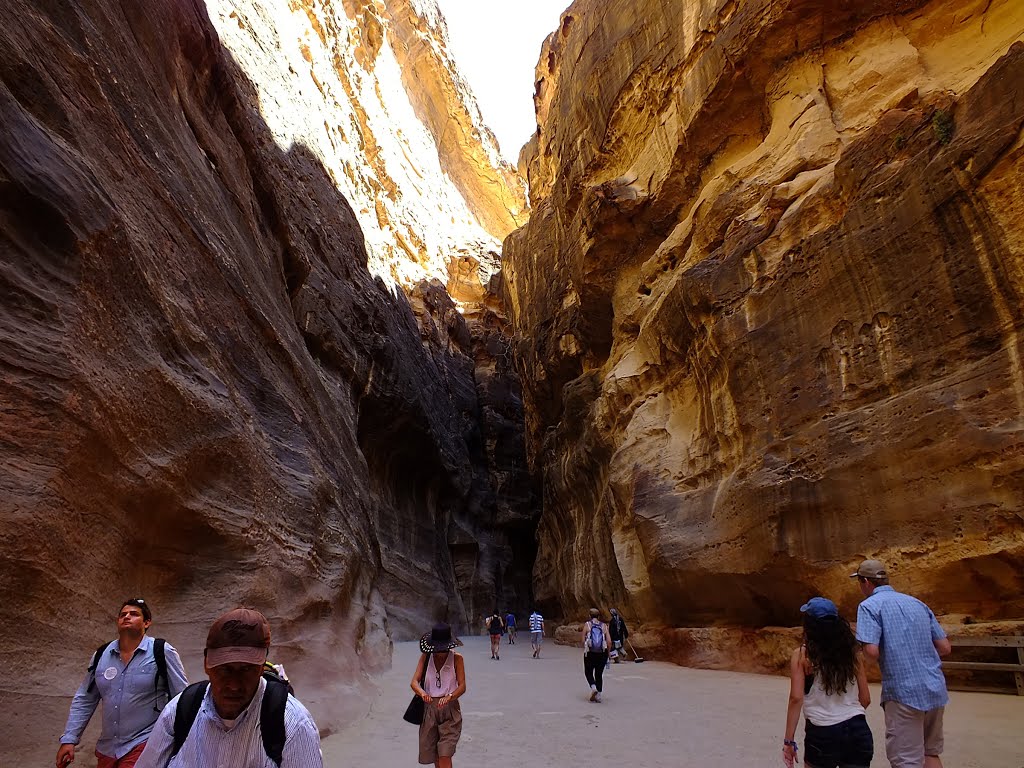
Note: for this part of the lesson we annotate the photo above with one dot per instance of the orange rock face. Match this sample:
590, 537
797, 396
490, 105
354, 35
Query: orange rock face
225, 377
769, 306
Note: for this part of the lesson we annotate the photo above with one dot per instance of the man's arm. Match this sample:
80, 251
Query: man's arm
302, 739
176, 679
869, 629
83, 705
869, 632
939, 639
157, 753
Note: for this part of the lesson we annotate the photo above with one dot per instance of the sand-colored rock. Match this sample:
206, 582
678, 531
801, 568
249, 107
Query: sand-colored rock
769, 306
370, 88
220, 379
440, 97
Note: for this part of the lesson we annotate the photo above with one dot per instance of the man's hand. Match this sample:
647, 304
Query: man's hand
65, 755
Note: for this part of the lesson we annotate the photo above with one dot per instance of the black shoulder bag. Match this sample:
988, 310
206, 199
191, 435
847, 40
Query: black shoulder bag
414, 712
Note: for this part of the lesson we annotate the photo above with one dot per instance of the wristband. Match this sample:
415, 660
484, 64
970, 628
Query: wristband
790, 743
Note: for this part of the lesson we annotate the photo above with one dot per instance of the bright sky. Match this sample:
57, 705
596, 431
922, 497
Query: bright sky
496, 44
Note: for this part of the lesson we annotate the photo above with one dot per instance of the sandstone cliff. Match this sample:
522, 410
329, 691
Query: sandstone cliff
769, 305
230, 372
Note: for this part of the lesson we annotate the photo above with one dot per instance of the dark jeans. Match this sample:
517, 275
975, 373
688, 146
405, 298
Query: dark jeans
843, 745
593, 667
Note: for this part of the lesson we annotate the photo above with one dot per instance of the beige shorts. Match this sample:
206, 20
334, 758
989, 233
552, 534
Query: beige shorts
439, 731
910, 734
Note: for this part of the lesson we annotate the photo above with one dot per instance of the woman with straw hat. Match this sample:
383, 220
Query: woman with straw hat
440, 680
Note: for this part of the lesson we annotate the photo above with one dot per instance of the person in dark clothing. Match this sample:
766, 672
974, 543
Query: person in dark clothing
619, 632
596, 643
495, 628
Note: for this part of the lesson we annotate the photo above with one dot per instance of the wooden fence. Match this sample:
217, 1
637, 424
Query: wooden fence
1017, 670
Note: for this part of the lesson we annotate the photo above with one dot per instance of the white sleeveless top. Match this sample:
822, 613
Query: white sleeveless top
446, 676
822, 709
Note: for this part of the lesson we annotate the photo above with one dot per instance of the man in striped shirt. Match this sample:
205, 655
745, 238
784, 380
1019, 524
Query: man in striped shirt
228, 728
536, 632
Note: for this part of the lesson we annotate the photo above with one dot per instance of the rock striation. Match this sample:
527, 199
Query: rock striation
230, 368
769, 306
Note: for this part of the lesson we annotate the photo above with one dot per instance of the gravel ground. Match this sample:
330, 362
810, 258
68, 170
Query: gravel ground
537, 712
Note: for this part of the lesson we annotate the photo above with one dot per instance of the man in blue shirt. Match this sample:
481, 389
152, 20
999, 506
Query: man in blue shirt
902, 635
124, 679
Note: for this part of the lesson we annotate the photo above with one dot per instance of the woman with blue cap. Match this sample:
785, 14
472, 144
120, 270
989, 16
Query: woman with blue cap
828, 681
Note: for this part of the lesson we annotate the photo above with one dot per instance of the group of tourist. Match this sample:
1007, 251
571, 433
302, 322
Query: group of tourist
246, 714
828, 680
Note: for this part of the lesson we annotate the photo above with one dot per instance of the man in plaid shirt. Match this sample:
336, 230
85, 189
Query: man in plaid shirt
901, 633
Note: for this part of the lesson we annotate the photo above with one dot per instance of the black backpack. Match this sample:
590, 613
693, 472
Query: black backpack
161, 669
275, 698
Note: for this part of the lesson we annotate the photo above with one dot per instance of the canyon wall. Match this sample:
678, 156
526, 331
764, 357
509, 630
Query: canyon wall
250, 345
769, 306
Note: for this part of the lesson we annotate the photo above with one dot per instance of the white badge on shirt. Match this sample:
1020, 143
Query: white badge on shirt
110, 673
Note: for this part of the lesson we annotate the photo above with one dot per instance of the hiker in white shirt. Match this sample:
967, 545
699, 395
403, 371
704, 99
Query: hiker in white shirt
238, 718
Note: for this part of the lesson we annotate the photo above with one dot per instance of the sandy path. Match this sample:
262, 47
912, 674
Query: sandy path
536, 712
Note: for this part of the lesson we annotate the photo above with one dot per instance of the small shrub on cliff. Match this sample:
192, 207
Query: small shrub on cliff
942, 124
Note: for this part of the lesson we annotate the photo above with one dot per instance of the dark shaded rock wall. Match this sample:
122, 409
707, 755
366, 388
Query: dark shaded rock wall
205, 397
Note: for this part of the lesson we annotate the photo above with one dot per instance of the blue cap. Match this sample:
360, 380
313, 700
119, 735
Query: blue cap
819, 608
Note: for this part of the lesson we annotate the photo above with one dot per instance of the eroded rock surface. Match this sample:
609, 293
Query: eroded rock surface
769, 306
220, 383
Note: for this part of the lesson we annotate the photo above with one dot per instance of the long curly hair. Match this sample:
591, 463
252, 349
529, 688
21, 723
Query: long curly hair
832, 651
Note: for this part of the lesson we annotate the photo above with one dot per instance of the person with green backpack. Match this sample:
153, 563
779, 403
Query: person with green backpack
243, 715
134, 676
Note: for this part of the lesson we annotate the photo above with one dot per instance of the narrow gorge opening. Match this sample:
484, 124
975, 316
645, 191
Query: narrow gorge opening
284, 327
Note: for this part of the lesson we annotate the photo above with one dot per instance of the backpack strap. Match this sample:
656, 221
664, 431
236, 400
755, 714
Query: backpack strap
95, 663
189, 702
275, 699
160, 656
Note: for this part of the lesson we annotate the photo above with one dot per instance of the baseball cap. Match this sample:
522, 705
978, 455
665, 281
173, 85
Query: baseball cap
819, 608
871, 569
241, 636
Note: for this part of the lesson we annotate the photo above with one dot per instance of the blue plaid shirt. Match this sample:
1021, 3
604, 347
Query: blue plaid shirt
905, 630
